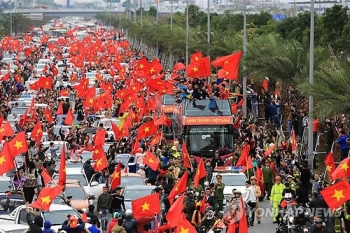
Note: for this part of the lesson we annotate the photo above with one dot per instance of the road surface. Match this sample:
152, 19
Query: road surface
266, 222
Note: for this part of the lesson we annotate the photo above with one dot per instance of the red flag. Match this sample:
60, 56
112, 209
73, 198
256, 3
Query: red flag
101, 163
330, 163
174, 213
146, 206
100, 137
200, 173
151, 160
46, 176
46, 196
156, 139
60, 109
179, 187
185, 156
69, 118
196, 57
116, 177
146, 130
48, 115
294, 141
244, 155
242, 224
6, 130
200, 68
343, 169
62, 175
185, 225
337, 194
6, 160
37, 132
18, 145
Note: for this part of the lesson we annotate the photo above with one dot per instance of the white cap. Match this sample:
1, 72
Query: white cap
267, 78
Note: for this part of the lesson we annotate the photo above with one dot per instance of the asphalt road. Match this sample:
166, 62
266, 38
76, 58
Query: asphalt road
266, 221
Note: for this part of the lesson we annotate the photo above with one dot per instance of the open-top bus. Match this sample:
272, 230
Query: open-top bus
205, 130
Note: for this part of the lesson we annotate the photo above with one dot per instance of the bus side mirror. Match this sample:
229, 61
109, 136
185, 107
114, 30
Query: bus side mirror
180, 139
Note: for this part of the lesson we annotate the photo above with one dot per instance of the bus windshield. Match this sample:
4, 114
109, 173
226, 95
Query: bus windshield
168, 100
201, 108
205, 140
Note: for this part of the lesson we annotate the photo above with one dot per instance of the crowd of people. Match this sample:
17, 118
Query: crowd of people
286, 178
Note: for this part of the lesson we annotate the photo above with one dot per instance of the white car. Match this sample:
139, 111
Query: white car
13, 228
77, 173
57, 215
232, 180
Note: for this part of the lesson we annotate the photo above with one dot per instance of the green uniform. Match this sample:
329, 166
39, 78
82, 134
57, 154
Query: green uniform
219, 195
269, 177
292, 185
276, 197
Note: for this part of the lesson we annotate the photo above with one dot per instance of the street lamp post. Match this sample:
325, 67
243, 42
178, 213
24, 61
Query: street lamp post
244, 52
141, 11
208, 26
187, 30
311, 81
171, 14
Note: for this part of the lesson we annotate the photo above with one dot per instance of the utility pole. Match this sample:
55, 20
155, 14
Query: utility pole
208, 27
187, 32
244, 52
310, 140
141, 9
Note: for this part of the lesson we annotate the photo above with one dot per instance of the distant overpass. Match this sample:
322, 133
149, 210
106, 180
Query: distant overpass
87, 12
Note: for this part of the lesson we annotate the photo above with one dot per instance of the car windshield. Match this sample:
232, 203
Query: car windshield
129, 180
59, 216
79, 177
238, 180
77, 193
132, 194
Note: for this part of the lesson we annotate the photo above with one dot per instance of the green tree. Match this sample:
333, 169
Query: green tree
330, 88
152, 11
331, 24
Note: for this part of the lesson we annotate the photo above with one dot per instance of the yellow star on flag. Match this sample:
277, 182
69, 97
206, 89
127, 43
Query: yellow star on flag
97, 151
46, 200
47, 83
39, 131
134, 88
122, 93
226, 62
329, 168
195, 69
145, 206
184, 230
196, 59
344, 166
64, 170
227, 73
150, 161
2, 129
116, 175
98, 163
338, 194
152, 70
91, 100
141, 66
146, 129
18, 145
197, 172
176, 189
2, 160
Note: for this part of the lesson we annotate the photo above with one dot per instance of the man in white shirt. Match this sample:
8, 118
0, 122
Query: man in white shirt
250, 200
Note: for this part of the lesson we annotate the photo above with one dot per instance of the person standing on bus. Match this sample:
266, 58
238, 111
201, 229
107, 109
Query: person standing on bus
217, 160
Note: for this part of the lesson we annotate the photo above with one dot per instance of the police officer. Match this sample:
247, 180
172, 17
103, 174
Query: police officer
219, 192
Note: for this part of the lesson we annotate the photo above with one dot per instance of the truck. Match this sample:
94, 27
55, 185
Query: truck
57, 215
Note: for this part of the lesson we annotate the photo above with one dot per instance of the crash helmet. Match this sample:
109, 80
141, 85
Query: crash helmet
128, 212
288, 197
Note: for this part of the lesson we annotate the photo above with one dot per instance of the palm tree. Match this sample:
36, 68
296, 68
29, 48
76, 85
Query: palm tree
271, 56
330, 88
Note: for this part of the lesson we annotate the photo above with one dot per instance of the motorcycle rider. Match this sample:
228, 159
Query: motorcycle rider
320, 228
285, 204
302, 217
130, 224
208, 220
